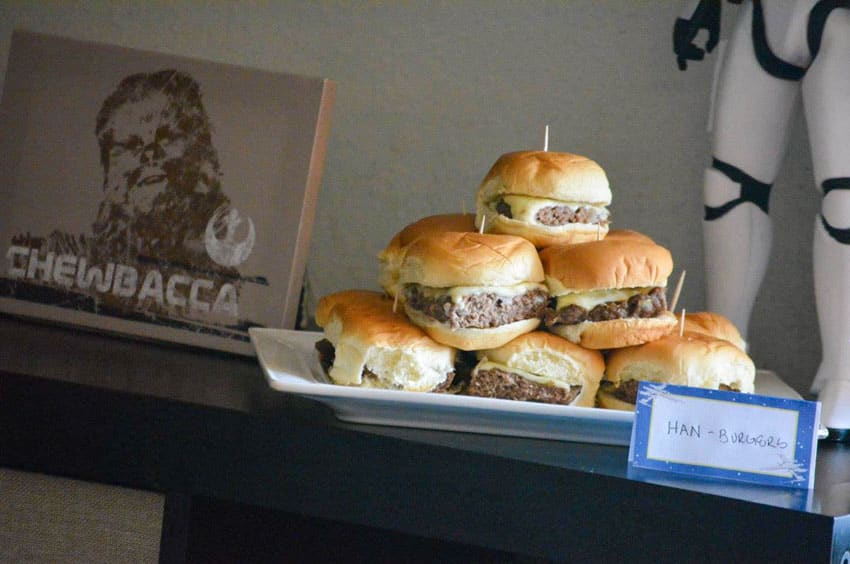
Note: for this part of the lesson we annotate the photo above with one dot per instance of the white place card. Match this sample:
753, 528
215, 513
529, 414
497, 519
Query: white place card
726, 435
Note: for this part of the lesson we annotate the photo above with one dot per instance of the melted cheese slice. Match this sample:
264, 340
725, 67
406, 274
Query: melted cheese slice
525, 208
591, 299
458, 293
486, 364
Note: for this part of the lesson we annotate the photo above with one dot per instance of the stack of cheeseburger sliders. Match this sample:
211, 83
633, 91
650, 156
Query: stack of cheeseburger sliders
532, 298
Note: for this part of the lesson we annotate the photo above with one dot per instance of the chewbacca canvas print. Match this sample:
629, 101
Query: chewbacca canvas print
164, 244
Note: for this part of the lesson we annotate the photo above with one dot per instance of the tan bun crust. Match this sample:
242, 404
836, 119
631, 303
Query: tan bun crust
617, 333
390, 258
449, 259
367, 334
347, 298
620, 262
691, 359
547, 355
714, 325
546, 174
471, 339
628, 235
542, 236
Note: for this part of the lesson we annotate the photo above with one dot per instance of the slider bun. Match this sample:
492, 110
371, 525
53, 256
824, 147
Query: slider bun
714, 325
471, 339
568, 178
449, 259
552, 357
691, 359
617, 333
367, 334
391, 257
542, 235
619, 262
546, 174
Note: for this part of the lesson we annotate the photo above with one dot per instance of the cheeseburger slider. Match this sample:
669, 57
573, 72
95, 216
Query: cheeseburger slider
472, 291
714, 325
547, 197
608, 294
368, 344
391, 257
690, 359
540, 367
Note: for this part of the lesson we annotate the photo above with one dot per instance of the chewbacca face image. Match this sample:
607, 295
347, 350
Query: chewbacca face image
161, 174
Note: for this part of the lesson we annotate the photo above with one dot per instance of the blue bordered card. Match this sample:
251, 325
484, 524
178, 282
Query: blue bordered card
725, 435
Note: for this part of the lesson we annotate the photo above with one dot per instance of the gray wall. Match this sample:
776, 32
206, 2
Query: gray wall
430, 93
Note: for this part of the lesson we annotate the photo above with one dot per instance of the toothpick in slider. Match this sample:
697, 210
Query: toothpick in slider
395, 301
483, 221
546, 138
682, 323
677, 291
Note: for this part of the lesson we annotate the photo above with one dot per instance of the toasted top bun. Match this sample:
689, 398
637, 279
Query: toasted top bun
547, 359
367, 334
691, 359
391, 257
714, 325
547, 174
621, 262
449, 259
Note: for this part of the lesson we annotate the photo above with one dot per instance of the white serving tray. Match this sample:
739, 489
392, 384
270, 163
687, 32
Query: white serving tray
291, 364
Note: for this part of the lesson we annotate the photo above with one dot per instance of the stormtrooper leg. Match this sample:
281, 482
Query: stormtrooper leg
756, 94
827, 108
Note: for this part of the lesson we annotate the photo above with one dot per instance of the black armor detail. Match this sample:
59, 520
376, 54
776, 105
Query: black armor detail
772, 65
752, 191
817, 21
840, 235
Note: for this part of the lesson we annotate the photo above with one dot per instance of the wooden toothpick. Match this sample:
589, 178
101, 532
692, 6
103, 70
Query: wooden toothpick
546, 138
395, 301
481, 227
677, 291
682, 323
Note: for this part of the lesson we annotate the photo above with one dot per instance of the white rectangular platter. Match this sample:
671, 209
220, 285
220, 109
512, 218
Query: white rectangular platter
290, 364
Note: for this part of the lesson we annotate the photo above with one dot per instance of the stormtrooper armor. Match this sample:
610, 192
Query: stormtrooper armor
780, 52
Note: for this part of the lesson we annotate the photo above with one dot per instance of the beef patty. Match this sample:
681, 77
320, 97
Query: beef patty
554, 216
478, 311
497, 383
652, 304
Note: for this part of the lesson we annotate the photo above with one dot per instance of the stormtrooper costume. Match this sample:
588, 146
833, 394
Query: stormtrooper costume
779, 52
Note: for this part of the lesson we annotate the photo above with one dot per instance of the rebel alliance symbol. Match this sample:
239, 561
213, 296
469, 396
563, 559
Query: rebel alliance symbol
220, 237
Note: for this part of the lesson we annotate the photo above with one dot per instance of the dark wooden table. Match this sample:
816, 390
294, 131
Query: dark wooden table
204, 429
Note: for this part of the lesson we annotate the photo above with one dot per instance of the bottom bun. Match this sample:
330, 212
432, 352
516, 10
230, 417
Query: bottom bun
607, 400
544, 235
617, 333
471, 339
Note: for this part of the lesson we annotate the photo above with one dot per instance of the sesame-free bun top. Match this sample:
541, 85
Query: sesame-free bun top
551, 357
714, 325
367, 334
450, 259
391, 257
691, 359
621, 262
547, 174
